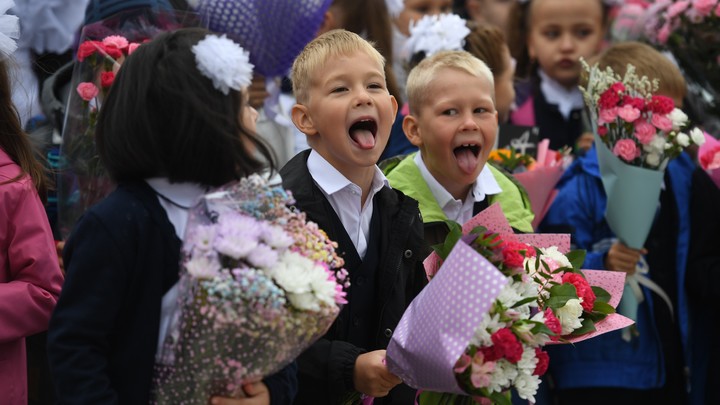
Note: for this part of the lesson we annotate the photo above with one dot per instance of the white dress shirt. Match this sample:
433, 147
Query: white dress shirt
459, 211
345, 198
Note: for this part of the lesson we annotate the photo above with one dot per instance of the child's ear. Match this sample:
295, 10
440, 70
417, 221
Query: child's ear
302, 119
412, 130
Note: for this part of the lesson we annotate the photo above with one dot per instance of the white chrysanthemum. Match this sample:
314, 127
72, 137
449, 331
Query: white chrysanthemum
682, 139
489, 325
503, 375
203, 266
202, 237
305, 283
509, 295
527, 386
528, 360
679, 118
322, 287
435, 33
570, 316
224, 62
697, 135
276, 237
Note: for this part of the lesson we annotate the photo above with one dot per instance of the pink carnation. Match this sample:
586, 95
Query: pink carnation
88, 48
611, 97
87, 91
132, 47
107, 79
711, 159
677, 8
608, 115
628, 113
115, 41
553, 324
625, 149
644, 131
637, 102
662, 122
582, 287
704, 7
664, 33
661, 104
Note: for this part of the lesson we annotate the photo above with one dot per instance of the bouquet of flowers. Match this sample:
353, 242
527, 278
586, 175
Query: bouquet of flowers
259, 284
709, 157
104, 46
690, 30
538, 176
637, 133
502, 300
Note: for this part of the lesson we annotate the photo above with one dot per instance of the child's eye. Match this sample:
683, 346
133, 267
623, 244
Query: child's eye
375, 86
551, 34
450, 111
339, 89
480, 110
583, 32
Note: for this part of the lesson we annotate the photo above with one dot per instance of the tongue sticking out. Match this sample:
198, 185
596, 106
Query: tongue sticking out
467, 160
363, 137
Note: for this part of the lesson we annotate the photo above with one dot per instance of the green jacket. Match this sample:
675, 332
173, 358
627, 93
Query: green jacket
405, 176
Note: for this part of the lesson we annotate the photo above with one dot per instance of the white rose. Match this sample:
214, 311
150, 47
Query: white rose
653, 159
678, 118
682, 139
697, 135
570, 316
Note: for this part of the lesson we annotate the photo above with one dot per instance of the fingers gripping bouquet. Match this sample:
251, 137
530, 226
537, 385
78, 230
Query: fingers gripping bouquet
259, 284
504, 297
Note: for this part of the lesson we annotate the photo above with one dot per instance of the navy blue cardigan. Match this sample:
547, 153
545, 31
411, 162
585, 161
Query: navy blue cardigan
121, 258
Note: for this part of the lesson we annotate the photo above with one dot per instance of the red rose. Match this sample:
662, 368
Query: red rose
661, 105
107, 79
553, 324
506, 342
543, 362
583, 289
88, 48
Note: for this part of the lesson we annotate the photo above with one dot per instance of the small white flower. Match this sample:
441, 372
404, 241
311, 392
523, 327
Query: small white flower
504, 374
489, 325
434, 33
652, 159
570, 316
658, 144
224, 62
697, 135
527, 386
678, 118
203, 266
682, 139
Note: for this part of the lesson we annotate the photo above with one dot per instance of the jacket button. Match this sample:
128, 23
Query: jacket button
408, 254
388, 333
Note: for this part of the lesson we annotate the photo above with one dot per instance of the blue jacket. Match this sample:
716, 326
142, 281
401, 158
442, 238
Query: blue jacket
608, 360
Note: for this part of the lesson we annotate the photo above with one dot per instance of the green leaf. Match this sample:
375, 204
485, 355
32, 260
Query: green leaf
560, 294
587, 326
603, 308
541, 328
454, 234
576, 258
500, 398
601, 295
524, 301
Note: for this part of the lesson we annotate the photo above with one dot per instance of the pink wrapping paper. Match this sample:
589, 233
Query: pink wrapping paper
613, 282
439, 323
540, 185
705, 152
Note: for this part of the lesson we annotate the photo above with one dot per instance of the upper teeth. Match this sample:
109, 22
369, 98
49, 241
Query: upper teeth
467, 145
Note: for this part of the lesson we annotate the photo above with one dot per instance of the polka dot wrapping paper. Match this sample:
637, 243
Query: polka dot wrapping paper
439, 323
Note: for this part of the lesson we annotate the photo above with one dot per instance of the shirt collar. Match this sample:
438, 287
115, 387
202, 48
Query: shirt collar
485, 184
183, 194
555, 93
330, 180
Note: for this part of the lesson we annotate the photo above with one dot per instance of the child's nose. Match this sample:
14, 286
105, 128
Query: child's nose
363, 98
469, 123
567, 42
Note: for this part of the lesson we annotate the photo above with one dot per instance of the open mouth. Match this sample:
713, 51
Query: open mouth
363, 133
467, 156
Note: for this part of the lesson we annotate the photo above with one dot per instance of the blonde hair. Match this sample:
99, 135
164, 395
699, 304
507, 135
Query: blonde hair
648, 62
319, 50
421, 76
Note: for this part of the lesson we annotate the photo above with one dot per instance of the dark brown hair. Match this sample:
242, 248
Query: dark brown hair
486, 42
163, 118
15, 142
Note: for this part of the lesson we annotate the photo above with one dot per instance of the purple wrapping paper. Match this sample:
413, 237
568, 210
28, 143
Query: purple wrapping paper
439, 323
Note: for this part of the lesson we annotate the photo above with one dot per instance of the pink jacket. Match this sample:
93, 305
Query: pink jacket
30, 276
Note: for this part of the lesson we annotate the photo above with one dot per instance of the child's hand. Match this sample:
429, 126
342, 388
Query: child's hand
257, 394
623, 258
371, 376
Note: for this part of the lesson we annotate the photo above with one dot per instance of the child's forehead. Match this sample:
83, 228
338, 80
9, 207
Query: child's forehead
327, 68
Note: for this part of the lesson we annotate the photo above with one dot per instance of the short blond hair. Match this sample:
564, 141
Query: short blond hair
319, 50
421, 76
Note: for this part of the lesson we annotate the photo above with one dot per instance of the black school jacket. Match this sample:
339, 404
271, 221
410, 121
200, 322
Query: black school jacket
326, 368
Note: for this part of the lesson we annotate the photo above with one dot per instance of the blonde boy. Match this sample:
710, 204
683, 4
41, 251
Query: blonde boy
346, 112
453, 121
